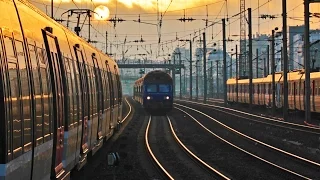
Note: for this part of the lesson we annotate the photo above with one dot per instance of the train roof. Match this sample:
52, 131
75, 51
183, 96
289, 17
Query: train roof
55, 25
292, 76
155, 75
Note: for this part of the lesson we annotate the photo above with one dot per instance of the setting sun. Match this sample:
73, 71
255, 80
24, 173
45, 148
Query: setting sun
102, 13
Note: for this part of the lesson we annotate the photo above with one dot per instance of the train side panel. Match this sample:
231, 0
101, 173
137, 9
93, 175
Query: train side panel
16, 152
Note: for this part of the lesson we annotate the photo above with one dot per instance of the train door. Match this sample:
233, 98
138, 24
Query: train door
110, 82
77, 116
119, 93
55, 60
107, 108
83, 111
278, 94
99, 91
313, 107
294, 95
115, 96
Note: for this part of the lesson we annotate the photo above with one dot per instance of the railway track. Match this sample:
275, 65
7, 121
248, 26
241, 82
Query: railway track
183, 159
289, 163
257, 118
296, 138
129, 112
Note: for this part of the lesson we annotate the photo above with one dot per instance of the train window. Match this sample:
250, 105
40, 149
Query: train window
107, 91
151, 88
115, 91
37, 96
318, 88
26, 100
70, 118
74, 91
79, 89
104, 89
164, 88
93, 91
14, 107
9, 48
98, 86
312, 88
46, 95
110, 81
16, 116
117, 77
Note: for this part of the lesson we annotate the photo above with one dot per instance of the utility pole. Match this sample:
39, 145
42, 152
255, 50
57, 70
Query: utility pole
285, 60
106, 42
204, 68
180, 75
273, 75
190, 98
307, 60
174, 74
257, 62
230, 73
264, 68
224, 61
184, 80
250, 57
89, 16
268, 59
237, 73
52, 9
211, 79
217, 79
197, 83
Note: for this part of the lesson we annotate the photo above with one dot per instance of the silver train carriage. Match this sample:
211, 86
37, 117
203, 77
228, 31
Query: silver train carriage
60, 96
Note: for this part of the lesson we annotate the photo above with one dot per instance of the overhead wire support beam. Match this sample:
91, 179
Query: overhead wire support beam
285, 60
307, 59
250, 58
204, 68
243, 44
224, 61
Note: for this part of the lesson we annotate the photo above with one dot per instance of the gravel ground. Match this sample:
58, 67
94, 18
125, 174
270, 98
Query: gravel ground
271, 135
170, 154
300, 143
225, 158
134, 163
294, 116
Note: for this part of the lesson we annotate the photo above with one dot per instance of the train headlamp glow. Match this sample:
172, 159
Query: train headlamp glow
167, 97
148, 97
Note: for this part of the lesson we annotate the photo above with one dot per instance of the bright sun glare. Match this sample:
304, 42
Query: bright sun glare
102, 13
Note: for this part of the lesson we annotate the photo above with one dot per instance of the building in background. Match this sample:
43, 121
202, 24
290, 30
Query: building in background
298, 55
293, 31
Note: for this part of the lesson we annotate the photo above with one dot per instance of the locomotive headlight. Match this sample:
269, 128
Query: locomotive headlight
148, 97
167, 97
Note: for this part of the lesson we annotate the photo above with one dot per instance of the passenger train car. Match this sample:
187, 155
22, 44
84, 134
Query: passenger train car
262, 89
60, 96
154, 92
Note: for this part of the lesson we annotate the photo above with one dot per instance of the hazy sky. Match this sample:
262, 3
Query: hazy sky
130, 10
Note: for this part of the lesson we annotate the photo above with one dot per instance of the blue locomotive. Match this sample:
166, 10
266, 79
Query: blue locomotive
154, 92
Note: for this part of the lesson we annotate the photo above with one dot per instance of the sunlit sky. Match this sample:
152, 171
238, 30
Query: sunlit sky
214, 10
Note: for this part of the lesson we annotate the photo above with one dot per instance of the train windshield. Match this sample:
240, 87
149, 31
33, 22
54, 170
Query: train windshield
151, 88
164, 88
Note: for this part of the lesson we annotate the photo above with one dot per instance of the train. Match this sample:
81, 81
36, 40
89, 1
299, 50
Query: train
154, 91
60, 97
262, 90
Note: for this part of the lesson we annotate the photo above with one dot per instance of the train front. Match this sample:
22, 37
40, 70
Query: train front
157, 95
